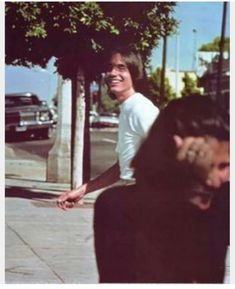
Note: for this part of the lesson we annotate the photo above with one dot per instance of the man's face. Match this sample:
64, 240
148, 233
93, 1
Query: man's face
118, 78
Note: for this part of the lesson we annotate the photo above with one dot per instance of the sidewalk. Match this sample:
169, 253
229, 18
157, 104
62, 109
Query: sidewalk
44, 244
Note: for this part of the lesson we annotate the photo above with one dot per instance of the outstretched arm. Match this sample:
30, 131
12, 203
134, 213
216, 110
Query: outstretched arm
69, 198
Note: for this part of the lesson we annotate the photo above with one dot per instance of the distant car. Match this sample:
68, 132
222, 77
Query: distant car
106, 119
92, 117
26, 114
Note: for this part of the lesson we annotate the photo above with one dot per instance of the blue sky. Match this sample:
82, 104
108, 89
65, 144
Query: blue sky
204, 17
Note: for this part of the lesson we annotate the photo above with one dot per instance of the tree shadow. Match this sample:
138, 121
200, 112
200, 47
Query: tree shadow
26, 193
39, 199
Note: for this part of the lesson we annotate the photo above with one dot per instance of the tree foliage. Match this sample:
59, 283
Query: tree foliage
214, 46
108, 104
77, 33
190, 86
155, 88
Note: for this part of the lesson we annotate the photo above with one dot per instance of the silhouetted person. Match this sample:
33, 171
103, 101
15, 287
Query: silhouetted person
172, 226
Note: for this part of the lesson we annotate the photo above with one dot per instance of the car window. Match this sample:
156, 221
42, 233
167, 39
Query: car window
11, 101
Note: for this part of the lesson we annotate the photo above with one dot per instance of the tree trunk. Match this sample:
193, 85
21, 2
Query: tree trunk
87, 146
78, 122
163, 71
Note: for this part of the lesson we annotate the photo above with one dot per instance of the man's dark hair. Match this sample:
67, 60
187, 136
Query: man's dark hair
133, 61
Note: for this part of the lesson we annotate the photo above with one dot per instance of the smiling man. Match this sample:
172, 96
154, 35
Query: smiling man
124, 71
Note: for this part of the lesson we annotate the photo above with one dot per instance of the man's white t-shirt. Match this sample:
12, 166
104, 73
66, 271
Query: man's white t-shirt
137, 114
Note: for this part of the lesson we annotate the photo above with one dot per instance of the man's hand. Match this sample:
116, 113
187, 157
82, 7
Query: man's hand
69, 198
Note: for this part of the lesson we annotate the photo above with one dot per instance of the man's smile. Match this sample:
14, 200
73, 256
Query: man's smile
114, 81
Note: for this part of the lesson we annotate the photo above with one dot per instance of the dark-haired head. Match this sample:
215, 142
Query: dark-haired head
133, 62
155, 163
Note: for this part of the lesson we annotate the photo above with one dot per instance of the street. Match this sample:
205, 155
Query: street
103, 143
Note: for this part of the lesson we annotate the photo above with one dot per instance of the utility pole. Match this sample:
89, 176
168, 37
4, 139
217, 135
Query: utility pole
177, 65
194, 49
163, 71
221, 54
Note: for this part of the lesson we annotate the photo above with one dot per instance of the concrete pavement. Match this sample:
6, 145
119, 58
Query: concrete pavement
43, 243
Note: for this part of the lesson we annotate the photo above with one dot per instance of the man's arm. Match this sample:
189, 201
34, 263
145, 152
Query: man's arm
107, 178
69, 198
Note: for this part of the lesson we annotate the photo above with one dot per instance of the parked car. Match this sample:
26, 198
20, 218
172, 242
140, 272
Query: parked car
106, 119
26, 114
92, 117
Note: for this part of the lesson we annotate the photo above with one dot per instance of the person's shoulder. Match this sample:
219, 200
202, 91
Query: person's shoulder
143, 100
142, 104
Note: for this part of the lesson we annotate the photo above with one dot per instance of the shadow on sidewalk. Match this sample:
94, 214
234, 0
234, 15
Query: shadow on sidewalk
25, 193
40, 199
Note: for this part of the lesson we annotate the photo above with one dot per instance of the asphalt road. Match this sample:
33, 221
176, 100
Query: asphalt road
103, 143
